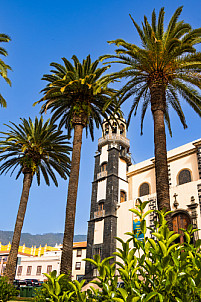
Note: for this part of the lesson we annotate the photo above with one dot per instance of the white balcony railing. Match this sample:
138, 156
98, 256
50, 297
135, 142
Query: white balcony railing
99, 214
101, 174
113, 138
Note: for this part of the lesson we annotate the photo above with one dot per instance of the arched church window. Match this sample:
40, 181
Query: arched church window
122, 129
114, 128
122, 196
106, 129
184, 177
144, 189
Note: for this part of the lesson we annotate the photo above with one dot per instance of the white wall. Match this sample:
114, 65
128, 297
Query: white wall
98, 232
81, 271
104, 154
50, 259
101, 194
122, 169
188, 162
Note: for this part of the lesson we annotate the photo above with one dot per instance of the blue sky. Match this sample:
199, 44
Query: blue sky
45, 31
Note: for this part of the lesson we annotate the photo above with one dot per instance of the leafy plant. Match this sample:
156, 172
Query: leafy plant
7, 291
153, 269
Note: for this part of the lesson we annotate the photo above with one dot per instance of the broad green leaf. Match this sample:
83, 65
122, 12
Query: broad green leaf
143, 226
163, 248
172, 238
150, 296
135, 212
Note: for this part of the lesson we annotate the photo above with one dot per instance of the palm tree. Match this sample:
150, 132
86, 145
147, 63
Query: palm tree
166, 67
4, 67
76, 96
34, 148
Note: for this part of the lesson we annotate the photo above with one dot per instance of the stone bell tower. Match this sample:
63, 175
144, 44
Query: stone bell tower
109, 188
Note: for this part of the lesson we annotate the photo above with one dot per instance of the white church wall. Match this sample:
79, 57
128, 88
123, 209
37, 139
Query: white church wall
138, 179
125, 220
188, 162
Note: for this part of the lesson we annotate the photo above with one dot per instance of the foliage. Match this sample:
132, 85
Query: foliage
54, 289
77, 91
152, 270
7, 291
37, 146
4, 67
167, 59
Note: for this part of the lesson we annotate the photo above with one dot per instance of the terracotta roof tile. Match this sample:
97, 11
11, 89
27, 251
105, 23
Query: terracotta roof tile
79, 244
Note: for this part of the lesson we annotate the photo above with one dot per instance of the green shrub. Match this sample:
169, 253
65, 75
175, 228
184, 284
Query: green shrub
154, 270
7, 291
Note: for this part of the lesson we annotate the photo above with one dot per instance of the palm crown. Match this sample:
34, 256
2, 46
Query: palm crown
167, 58
4, 67
77, 92
38, 147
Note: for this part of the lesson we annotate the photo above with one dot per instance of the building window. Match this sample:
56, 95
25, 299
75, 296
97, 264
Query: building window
184, 177
79, 253
103, 167
100, 207
78, 265
144, 189
97, 251
122, 196
122, 129
49, 269
39, 269
114, 128
79, 277
19, 271
29, 268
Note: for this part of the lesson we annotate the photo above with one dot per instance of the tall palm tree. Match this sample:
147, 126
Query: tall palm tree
34, 148
4, 67
76, 96
165, 68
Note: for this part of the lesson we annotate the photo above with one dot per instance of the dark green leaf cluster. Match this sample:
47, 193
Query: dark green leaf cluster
37, 147
77, 91
168, 58
4, 67
154, 270
7, 291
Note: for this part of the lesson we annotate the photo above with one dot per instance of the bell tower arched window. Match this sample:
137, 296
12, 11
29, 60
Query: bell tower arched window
106, 129
104, 167
114, 128
144, 189
184, 177
122, 129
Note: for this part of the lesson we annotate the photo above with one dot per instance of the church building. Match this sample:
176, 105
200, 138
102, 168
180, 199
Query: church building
118, 184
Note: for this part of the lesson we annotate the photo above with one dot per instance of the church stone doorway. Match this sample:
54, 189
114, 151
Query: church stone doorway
180, 220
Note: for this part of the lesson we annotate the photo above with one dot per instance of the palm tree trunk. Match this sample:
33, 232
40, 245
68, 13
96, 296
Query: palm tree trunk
158, 103
67, 252
12, 258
